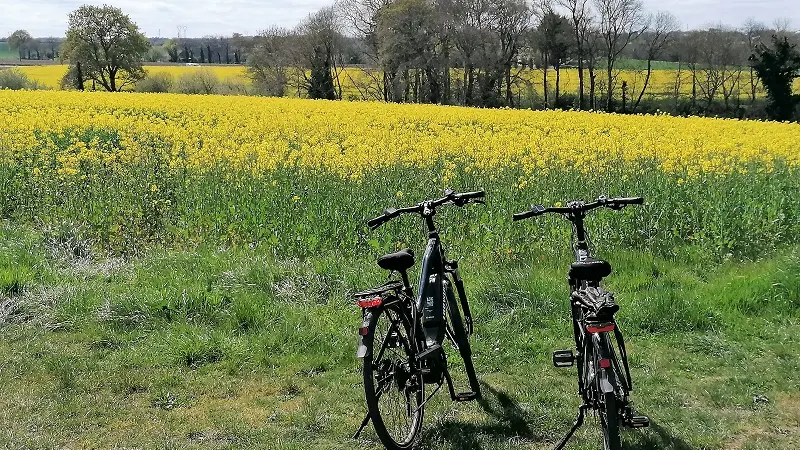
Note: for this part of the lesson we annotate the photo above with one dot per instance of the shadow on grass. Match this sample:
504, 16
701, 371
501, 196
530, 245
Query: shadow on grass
657, 439
506, 421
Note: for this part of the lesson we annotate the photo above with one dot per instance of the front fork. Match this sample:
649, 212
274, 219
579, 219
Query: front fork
451, 267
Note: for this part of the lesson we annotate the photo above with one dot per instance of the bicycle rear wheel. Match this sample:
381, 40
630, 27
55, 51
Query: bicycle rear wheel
609, 404
392, 380
609, 420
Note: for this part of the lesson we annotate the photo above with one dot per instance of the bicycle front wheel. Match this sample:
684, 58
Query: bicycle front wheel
392, 380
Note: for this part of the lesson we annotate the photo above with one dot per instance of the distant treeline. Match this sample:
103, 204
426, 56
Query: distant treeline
477, 52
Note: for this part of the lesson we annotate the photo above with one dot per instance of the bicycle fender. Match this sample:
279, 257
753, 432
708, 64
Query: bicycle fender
362, 350
606, 378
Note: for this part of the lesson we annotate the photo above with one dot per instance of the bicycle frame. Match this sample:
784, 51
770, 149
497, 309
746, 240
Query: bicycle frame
600, 342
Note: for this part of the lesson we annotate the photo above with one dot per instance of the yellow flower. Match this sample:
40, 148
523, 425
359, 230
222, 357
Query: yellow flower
296, 198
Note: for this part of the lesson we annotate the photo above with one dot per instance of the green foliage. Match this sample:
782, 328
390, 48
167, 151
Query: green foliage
19, 40
15, 80
777, 67
108, 45
156, 82
202, 81
320, 85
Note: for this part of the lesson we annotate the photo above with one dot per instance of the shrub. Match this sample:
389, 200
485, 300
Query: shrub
235, 86
158, 82
202, 81
15, 80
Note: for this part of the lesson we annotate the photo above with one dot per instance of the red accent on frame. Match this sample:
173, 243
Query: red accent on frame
605, 363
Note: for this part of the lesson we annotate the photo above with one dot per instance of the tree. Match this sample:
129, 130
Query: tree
271, 59
753, 31
554, 42
20, 40
172, 49
720, 54
320, 38
777, 67
620, 23
663, 26
108, 45
581, 16
406, 32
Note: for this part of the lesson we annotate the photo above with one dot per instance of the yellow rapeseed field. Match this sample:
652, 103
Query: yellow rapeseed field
357, 85
353, 137
50, 76
302, 175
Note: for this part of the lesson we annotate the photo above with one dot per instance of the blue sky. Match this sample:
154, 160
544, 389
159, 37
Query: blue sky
203, 17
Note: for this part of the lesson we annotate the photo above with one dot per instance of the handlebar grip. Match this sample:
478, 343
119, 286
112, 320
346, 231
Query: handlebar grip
629, 201
522, 215
471, 195
537, 210
378, 221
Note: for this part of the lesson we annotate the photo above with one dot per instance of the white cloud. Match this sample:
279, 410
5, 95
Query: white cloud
203, 17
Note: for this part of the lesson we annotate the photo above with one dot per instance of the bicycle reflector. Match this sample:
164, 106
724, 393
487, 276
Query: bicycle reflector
600, 328
370, 302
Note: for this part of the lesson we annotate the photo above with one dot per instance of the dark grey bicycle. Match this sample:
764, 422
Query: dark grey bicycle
401, 336
603, 383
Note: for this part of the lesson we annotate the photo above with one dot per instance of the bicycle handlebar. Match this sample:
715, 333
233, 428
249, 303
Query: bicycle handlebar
580, 207
451, 197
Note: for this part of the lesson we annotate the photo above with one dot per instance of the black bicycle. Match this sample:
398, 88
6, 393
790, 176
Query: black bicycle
401, 336
603, 383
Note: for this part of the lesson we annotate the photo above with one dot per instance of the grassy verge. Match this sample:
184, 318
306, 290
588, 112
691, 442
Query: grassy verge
241, 349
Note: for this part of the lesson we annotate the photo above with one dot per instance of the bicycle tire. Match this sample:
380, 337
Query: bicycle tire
609, 420
406, 379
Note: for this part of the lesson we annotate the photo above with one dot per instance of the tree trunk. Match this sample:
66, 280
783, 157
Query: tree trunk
509, 94
646, 81
470, 101
609, 88
417, 81
544, 80
592, 89
79, 77
579, 54
558, 84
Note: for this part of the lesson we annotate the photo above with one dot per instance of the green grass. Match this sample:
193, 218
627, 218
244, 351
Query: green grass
6, 53
641, 64
240, 348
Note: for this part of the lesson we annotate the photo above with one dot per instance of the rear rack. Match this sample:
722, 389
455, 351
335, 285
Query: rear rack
393, 285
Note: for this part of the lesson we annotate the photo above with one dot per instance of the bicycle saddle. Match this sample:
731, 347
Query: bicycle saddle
398, 261
590, 270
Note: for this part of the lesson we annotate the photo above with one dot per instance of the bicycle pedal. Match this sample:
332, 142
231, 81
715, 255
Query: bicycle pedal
563, 358
639, 422
466, 396
428, 352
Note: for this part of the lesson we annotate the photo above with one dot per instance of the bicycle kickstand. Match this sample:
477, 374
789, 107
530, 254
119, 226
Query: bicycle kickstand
361, 428
575, 426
